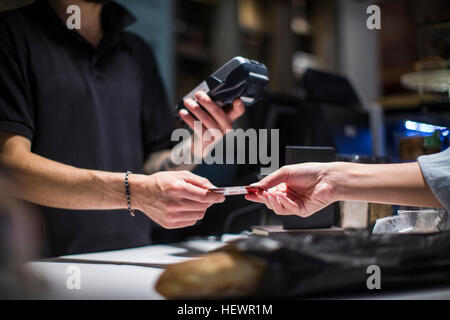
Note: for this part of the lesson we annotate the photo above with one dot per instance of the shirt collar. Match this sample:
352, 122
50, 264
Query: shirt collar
116, 17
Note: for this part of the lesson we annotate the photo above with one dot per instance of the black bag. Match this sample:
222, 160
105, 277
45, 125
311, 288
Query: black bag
312, 265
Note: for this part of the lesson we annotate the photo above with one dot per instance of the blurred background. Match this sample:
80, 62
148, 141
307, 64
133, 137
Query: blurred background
320, 55
374, 95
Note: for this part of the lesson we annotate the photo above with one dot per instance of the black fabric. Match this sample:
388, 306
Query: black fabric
315, 265
101, 108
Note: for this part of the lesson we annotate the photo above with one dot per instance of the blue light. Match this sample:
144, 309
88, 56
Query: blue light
411, 125
424, 127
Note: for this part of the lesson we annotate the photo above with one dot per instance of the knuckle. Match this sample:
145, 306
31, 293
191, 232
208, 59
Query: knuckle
176, 187
171, 225
173, 216
171, 208
284, 169
166, 224
170, 188
302, 214
170, 217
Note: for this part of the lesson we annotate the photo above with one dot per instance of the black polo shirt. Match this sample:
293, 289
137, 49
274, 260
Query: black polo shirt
100, 108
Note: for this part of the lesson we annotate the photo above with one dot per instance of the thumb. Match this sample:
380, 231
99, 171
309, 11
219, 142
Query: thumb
273, 179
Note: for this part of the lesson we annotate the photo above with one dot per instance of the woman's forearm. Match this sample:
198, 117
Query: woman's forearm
401, 184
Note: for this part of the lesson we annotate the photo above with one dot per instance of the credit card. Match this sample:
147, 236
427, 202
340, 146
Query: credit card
231, 191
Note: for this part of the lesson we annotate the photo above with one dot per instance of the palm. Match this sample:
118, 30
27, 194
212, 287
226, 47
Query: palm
312, 199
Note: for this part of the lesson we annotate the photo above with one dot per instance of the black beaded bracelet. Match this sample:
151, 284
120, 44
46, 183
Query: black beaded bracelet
127, 192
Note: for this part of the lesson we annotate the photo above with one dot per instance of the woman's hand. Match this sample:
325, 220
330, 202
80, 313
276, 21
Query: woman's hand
300, 189
172, 199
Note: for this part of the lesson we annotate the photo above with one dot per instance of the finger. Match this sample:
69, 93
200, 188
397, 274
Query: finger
253, 197
236, 111
178, 225
198, 194
186, 216
186, 116
190, 121
263, 196
282, 196
192, 205
201, 114
290, 206
270, 201
218, 114
289, 197
283, 205
276, 206
274, 178
197, 180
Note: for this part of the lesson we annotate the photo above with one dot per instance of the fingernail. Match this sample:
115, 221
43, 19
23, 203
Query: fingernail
203, 95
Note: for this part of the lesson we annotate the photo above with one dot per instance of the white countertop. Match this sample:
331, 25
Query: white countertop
132, 273
121, 274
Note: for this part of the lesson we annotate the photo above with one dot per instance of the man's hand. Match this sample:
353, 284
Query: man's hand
172, 199
212, 117
296, 189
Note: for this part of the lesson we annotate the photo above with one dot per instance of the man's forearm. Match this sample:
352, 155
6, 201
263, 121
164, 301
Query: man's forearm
401, 184
49, 183
52, 184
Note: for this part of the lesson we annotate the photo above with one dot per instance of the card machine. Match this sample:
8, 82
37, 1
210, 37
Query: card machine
238, 78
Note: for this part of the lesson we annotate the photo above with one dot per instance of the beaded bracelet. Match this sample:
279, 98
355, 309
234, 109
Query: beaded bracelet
127, 192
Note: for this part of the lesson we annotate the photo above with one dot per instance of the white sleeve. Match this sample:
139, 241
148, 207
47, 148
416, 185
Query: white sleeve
436, 171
